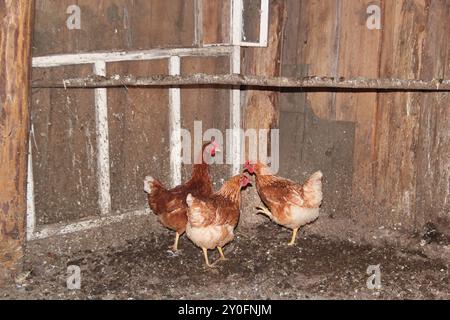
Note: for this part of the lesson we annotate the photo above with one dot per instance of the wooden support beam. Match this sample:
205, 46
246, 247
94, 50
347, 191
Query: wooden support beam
15, 67
311, 82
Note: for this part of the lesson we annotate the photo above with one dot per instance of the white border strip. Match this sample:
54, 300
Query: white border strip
90, 58
264, 23
236, 27
237, 9
101, 121
31, 212
60, 229
235, 113
175, 123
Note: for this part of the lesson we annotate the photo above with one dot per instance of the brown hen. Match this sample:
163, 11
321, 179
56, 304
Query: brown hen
289, 204
211, 220
170, 205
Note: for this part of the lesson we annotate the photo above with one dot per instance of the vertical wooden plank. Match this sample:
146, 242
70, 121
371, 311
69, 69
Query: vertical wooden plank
384, 104
292, 31
292, 102
15, 69
433, 145
401, 56
208, 105
321, 49
358, 56
138, 134
216, 21
261, 106
293, 108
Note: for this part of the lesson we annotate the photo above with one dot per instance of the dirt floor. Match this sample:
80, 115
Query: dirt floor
260, 266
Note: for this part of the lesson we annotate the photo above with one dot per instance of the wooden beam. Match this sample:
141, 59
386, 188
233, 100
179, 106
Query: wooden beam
59, 60
311, 82
15, 67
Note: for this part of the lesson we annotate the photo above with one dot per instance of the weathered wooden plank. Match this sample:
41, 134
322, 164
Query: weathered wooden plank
64, 145
15, 54
292, 104
293, 33
208, 105
321, 49
138, 135
401, 57
355, 39
216, 21
261, 106
122, 24
433, 146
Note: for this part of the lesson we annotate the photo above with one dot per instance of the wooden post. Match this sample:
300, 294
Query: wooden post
15, 70
261, 109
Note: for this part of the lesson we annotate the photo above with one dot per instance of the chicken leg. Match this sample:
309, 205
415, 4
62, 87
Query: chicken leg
222, 256
175, 245
294, 236
205, 253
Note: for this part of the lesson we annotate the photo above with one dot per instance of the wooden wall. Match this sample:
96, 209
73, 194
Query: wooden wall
399, 141
386, 155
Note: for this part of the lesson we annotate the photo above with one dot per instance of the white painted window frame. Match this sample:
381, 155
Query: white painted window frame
237, 10
98, 60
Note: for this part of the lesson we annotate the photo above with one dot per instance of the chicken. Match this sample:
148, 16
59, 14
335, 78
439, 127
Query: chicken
211, 220
170, 205
289, 204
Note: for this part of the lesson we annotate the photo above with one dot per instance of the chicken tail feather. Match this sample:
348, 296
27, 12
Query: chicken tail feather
312, 189
189, 200
148, 184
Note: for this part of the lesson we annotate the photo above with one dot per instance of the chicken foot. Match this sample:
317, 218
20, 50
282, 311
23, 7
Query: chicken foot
205, 253
222, 256
294, 236
264, 211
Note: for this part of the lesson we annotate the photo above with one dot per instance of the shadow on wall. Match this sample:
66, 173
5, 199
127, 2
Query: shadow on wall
308, 144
